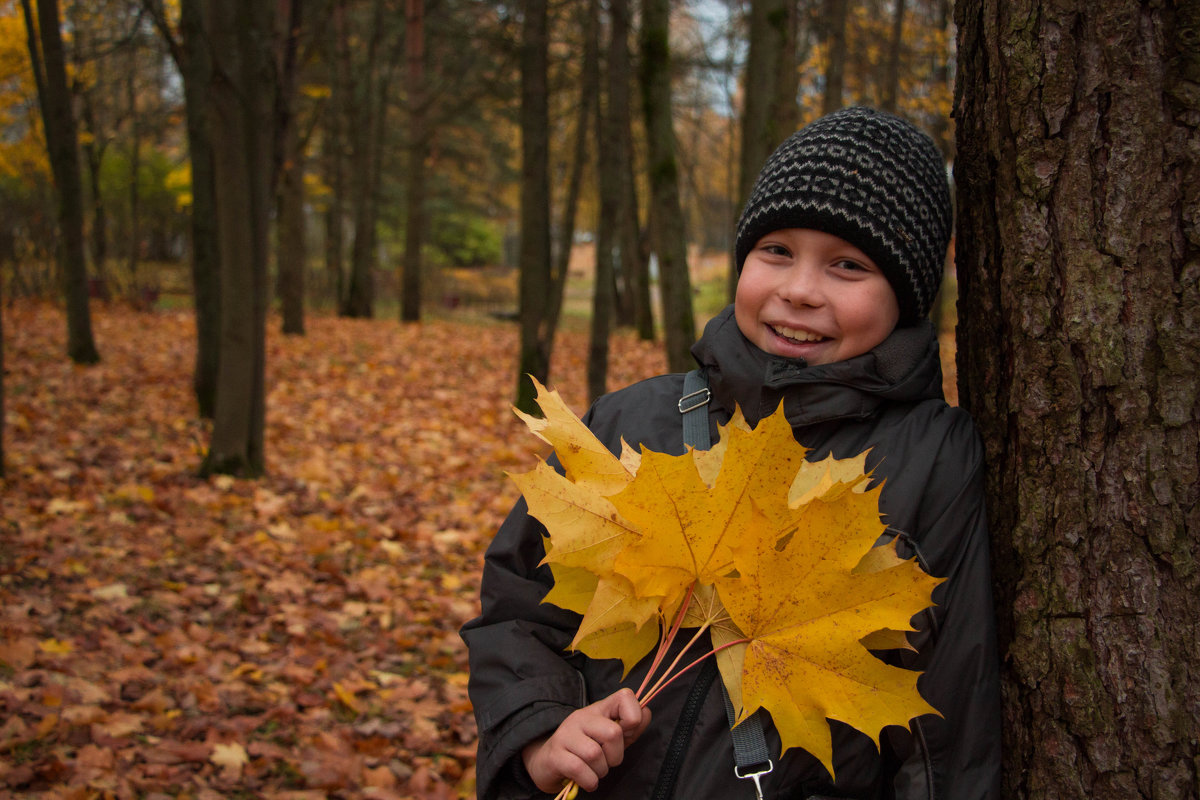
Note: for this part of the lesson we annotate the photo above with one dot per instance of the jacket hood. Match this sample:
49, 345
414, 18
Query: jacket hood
905, 367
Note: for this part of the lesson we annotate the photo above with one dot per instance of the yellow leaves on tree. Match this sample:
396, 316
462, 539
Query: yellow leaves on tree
774, 556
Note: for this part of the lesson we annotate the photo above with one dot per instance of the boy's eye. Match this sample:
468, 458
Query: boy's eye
776, 250
853, 266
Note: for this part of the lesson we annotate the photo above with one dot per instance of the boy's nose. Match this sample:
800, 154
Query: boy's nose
802, 286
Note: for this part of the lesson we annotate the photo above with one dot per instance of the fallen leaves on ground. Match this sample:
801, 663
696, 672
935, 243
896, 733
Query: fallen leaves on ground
292, 637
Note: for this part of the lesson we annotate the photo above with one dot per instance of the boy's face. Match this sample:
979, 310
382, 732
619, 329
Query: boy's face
812, 295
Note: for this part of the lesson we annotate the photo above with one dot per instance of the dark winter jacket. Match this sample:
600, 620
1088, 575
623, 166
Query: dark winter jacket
889, 401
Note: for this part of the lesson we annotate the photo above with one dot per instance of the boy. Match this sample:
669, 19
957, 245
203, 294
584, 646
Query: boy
840, 251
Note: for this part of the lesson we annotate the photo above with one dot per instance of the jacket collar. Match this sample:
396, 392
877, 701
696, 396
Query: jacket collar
903, 368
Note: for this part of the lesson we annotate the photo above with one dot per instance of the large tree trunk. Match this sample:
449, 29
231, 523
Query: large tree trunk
666, 214
243, 106
50, 71
534, 258
1079, 272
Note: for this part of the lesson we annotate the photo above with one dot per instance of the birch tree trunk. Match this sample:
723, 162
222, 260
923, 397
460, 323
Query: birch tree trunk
1078, 175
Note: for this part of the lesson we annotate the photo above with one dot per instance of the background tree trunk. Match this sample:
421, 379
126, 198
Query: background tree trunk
891, 77
835, 67
633, 281
771, 113
414, 181
365, 133
1079, 346
291, 236
291, 250
135, 168
92, 146
193, 57
535, 203
50, 70
243, 106
333, 152
666, 214
2, 379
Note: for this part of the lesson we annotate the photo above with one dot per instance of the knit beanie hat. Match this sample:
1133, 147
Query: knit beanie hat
870, 178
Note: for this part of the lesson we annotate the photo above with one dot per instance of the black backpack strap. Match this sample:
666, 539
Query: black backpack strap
749, 744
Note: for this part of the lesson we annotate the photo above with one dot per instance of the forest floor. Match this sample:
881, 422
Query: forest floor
163, 635
167, 636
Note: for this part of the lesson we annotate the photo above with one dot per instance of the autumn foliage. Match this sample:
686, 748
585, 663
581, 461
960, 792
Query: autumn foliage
162, 635
773, 554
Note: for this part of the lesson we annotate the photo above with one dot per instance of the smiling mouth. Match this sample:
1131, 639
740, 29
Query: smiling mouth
796, 335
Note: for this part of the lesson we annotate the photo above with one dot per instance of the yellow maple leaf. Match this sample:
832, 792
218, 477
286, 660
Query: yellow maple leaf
584, 457
616, 623
589, 531
805, 609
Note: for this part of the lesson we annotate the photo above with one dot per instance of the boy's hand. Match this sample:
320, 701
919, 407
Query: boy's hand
587, 744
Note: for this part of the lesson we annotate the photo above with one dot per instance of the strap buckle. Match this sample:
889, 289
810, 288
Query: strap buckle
699, 399
756, 777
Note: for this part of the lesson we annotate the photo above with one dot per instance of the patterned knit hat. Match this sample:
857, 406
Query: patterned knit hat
871, 178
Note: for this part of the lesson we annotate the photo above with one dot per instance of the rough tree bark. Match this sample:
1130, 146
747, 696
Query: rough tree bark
666, 214
534, 256
50, 71
1079, 266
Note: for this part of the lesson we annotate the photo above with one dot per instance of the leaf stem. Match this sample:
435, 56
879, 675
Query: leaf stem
667, 639
665, 681
667, 677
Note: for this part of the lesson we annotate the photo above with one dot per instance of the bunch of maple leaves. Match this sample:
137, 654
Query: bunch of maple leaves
163, 635
770, 554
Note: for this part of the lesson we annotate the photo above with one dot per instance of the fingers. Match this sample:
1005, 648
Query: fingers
632, 717
588, 743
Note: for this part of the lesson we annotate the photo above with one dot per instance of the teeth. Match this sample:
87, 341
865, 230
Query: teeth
797, 335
